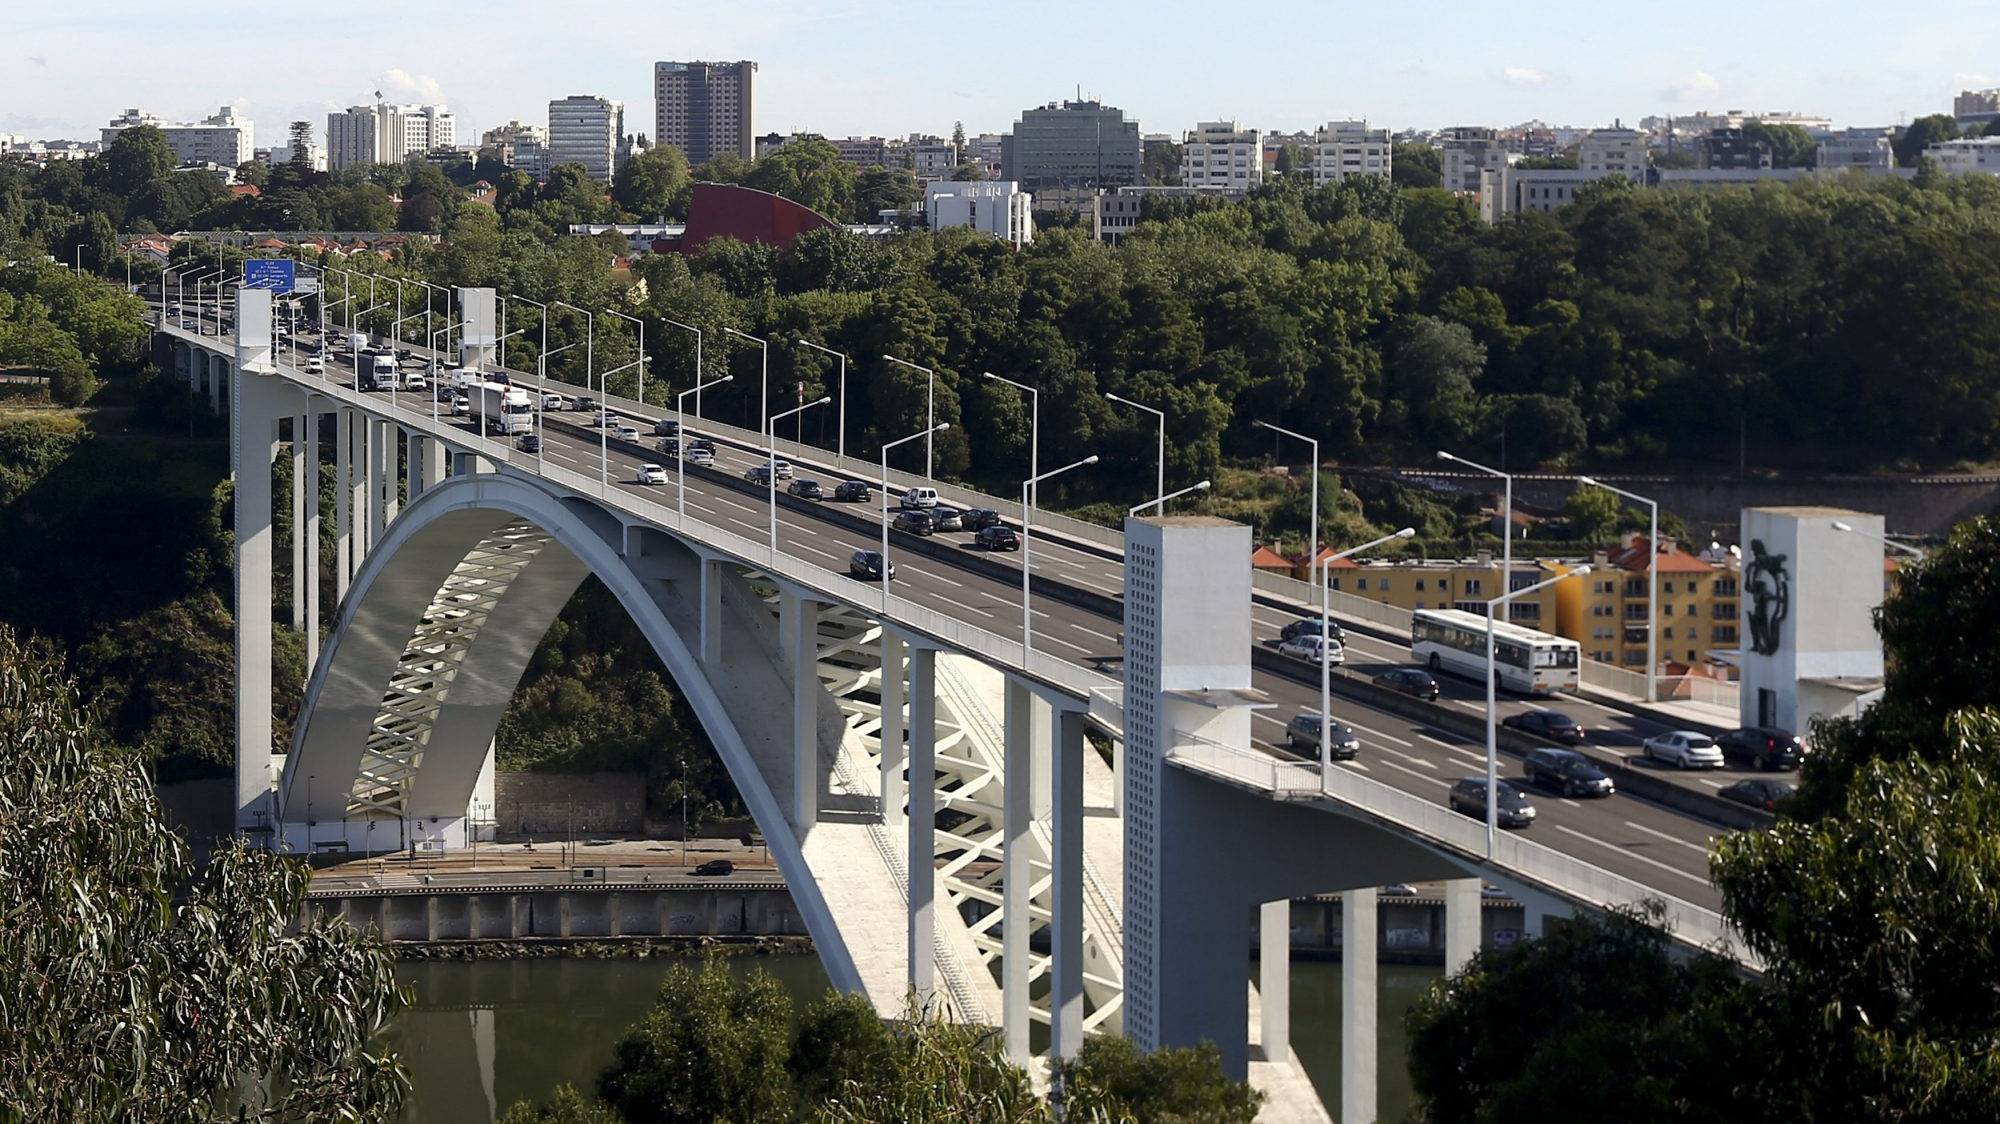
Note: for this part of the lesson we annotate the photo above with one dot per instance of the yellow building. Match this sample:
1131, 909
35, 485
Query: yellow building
1446, 584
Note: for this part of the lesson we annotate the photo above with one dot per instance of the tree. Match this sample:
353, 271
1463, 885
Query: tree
138, 156
881, 189
1921, 134
1791, 146
1293, 160
137, 988
958, 134
1161, 163
712, 1048
1110, 1079
1415, 165
1437, 365
650, 183
1593, 514
809, 172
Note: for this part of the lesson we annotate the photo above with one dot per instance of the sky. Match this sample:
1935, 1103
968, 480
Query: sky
890, 67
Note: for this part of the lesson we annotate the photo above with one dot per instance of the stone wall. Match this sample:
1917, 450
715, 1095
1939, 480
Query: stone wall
555, 805
721, 909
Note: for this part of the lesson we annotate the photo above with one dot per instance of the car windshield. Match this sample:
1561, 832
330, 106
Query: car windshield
1698, 741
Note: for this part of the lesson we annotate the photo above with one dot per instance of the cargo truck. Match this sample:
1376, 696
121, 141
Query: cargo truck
503, 410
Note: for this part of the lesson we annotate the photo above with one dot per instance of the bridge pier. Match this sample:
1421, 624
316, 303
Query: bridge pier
798, 624
1274, 978
300, 484
343, 499
1016, 872
357, 486
892, 728
1461, 923
1358, 1063
711, 614
1066, 894
922, 823
310, 534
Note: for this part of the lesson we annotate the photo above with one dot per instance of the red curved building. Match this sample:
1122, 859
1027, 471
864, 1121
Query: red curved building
727, 210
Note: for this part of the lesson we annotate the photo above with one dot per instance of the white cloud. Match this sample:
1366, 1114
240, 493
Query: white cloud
1691, 87
1526, 77
400, 85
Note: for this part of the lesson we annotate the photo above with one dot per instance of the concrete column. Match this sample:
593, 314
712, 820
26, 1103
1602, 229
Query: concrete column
253, 446
357, 485
299, 494
1357, 1007
801, 633
711, 614
1016, 872
392, 452
381, 469
311, 536
1066, 896
343, 501
1274, 978
1461, 923
923, 821
434, 462
413, 461
892, 728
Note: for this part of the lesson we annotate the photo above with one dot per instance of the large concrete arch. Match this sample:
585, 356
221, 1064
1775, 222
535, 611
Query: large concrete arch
438, 629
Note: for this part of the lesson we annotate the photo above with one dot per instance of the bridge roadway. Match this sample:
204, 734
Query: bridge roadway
1637, 839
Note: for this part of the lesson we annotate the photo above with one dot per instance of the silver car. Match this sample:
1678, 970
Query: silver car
1684, 749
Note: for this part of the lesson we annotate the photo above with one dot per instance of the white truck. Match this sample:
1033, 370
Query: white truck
382, 371
504, 410
357, 342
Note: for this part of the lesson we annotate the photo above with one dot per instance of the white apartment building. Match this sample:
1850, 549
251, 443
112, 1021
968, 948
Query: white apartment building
425, 127
1616, 151
1349, 148
1963, 157
1470, 151
315, 156
223, 139
996, 208
1857, 148
585, 129
385, 134
124, 121
1508, 190
1222, 154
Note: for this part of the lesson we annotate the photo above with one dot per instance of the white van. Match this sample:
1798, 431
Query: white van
920, 498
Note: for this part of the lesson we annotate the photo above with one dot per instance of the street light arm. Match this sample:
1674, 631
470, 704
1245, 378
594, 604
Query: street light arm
1163, 500
1407, 532
1456, 459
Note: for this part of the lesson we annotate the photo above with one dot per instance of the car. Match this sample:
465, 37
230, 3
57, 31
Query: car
1683, 749
1399, 890
806, 490
1766, 747
666, 427
948, 518
697, 455
783, 468
1511, 807
1302, 733
702, 443
866, 565
1309, 626
1553, 725
584, 403
669, 445
1409, 681
625, 433
651, 474
1565, 771
977, 519
315, 366
997, 537
915, 523
716, 868
1310, 648
758, 474
852, 491
920, 497
187, 325
460, 405
1765, 794
599, 419
530, 442
553, 401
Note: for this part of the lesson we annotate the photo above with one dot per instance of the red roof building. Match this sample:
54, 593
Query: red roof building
727, 210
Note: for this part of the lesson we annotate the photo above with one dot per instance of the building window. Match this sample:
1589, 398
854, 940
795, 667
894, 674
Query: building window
1667, 610
1667, 633
1420, 585
1666, 587
1471, 587
1335, 583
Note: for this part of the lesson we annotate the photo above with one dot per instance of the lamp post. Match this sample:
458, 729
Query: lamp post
1652, 585
930, 411
1162, 416
1312, 548
884, 483
603, 408
1034, 428
1917, 553
641, 325
1492, 726
681, 435
1326, 653
771, 461
1163, 501
1027, 556
1506, 517
764, 392
840, 426
541, 374
697, 359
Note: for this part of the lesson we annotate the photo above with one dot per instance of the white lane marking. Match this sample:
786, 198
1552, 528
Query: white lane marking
942, 578
1064, 643
1106, 637
1695, 878
1414, 773
822, 553
1696, 847
1378, 734
1357, 765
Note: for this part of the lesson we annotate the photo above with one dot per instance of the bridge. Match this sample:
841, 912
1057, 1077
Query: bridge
1104, 847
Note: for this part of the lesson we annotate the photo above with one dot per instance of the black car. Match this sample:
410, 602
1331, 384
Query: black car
1551, 724
1766, 747
716, 868
531, 442
666, 427
915, 522
702, 443
997, 537
1409, 681
947, 518
1309, 626
979, 518
806, 490
866, 565
852, 491
1302, 734
1565, 771
1760, 794
758, 474
1468, 795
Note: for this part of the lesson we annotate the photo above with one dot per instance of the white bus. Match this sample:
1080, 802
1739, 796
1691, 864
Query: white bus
1524, 659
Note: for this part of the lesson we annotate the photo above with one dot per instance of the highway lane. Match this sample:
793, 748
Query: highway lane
1650, 844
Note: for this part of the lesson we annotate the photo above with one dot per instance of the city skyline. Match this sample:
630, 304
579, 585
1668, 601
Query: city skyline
860, 67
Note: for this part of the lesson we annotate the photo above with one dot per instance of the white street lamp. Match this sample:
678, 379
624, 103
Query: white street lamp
1034, 429
1492, 726
1163, 501
1312, 547
697, 360
1506, 516
1326, 651
603, 408
541, 374
930, 412
681, 435
771, 463
763, 394
884, 483
1161, 489
1915, 552
641, 324
1652, 585
1027, 556
840, 437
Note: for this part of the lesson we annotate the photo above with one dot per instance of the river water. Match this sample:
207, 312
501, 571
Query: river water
484, 1034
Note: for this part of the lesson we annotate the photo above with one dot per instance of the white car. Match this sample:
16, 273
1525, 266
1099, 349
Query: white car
1307, 648
625, 433
315, 366
699, 455
1684, 749
554, 402
460, 405
920, 497
651, 474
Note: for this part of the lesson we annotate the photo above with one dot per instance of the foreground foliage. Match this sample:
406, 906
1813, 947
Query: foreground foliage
135, 990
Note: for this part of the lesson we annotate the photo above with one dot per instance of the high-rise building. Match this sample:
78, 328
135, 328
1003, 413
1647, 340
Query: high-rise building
997, 208
1616, 151
124, 121
705, 108
1468, 151
1222, 154
1073, 144
1732, 149
385, 134
1349, 148
586, 130
1857, 148
1975, 107
350, 138
224, 140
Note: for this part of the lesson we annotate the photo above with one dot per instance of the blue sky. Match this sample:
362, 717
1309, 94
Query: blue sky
891, 67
